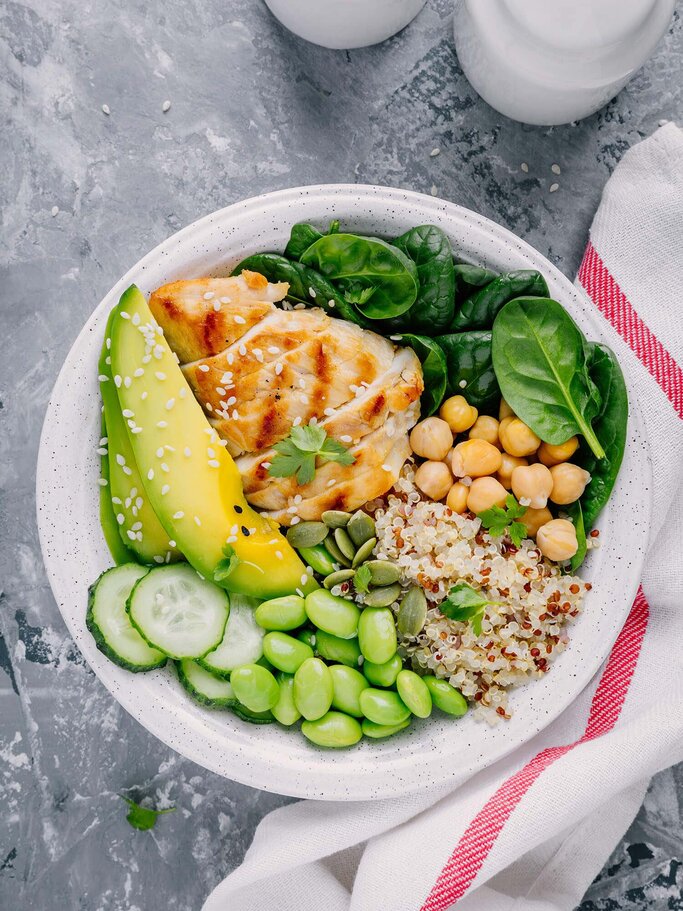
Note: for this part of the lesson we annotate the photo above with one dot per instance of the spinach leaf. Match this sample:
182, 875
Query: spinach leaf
575, 513
469, 360
301, 237
434, 370
354, 263
610, 428
481, 308
540, 357
429, 248
469, 279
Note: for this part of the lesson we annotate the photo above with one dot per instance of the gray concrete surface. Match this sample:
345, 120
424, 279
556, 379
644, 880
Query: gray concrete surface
84, 195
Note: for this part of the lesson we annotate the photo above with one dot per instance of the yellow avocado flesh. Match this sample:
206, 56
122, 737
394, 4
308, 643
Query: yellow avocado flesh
138, 527
191, 481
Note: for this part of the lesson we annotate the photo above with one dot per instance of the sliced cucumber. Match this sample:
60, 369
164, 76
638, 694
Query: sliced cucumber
204, 686
110, 625
178, 612
243, 639
253, 717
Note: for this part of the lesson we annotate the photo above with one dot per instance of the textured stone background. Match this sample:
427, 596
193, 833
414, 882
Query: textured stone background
84, 195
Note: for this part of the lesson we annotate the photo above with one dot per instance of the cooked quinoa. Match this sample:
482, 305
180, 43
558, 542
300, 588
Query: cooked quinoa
435, 548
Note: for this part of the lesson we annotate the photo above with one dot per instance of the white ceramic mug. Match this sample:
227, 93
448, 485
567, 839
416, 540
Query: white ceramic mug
345, 23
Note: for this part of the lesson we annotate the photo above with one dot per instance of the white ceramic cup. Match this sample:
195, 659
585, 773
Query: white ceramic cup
345, 24
555, 61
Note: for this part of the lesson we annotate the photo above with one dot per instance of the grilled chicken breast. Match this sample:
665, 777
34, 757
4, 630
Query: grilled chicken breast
258, 370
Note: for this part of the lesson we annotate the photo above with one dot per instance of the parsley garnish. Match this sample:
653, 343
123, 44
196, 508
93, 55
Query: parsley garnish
297, 454
359, 296
361, 580
501, 519
228, 565
143, 818
465, 604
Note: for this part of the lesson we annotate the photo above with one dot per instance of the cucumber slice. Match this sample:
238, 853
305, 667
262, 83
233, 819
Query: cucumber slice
110, 625
253, 717
178, 612
203, 686
243, 639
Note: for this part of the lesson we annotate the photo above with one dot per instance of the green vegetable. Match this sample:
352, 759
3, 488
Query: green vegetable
469, 278
298, 453
284, 613
415, 693
465, 604
360, 528
143, 818
383, 674
313, 689
252, 717
332, 614
501, 519
362, 578
376, 731
356, 263
285, 652
434, 370
541, 361
301, 237
575, 513
332, 648
412, 612
480, 310
318, 558
383, 706
446, 697
430, 249
377, 634
610, 428
307, 534
364, 552
205, 687
469, 360
348, 684
284, 710
255, 687
225, 568
334, 729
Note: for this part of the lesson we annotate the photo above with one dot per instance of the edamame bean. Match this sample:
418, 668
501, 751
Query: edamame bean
372, 729
383, 674
284, 710
334, 729
308, 636
285, 652
347, 685
313, 689
318, 558
415, 693
412, 612
446, 697
376, 634
332, 648
383, 706
255, 687
332, 614
360, 528
281, 613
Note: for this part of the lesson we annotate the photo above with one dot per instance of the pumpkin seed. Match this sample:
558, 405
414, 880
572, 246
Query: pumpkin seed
335, 518
342, 575
332, 548
363, 552
360, 528
344, 543
412, 612
307, 534
383, 572
383, 596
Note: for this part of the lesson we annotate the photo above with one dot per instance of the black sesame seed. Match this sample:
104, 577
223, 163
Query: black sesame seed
238, 509
245, 531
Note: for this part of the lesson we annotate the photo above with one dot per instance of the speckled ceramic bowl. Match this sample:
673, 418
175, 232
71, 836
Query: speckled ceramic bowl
270, 757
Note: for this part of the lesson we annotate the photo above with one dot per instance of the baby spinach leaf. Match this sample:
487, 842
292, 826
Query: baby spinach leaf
469, 279
540, 360
353, 263
434, 370
430, 249
575, 514
610, 428
481, 308
301, 237
469, 361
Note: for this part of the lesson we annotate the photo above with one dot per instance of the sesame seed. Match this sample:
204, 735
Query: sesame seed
136, 319
139, 372
197, 520
331, 304
231, 539
235, 415
136, 430
106, 109
116, 500
434, 190
158, 559
230, 358
304, 399
331, 482
311, 291
304, 579
131, 423
278, 554
158, 352
120, 459
55, 211
124, 314
127, 413
435, 151
214, 463
117, 381
462, 384
298, 498
230, 401
131, 534
258, 354
204, 368
178, 515
524, 167
136, 526
227, 377
187, 451
147, 358
299, 592
120, 518
102, 482
160, 452
216, 306
164, 490
346, 438
296, 421
127, 382
387, 468
209, 406
102, 451
182, 392
554, 187
102, 378
271, 350
240, 320
126, 470
166, 106
278, 369
164, 467
210, 452
556, 169
172, 543
266, 465
295, 520
162, 424
107, 342
169, 404
226, 300
159, 375
242, 350
209, 295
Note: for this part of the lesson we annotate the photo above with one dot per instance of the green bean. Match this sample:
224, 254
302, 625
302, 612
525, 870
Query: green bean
318, 558
313, 689
347, 685
284, 710
383, 674
374, 730
332, 648
376, 634
285, 652
334, 729
446, 697
281, 613
255, 687
383, 706
415, 693
332, 614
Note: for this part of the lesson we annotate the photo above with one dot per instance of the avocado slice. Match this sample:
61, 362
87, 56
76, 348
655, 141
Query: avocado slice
138, 527
190, 479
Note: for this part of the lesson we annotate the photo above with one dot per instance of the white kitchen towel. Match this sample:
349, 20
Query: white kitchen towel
531, 831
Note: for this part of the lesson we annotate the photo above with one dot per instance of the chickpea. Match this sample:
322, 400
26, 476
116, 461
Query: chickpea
535, 519
431, 439
533, 483
569, 482
434, 479
557, 540
458, 413
457, 497
517, 438
475, 458
507, 466
485, 428
553, 455
485, 493
505, 411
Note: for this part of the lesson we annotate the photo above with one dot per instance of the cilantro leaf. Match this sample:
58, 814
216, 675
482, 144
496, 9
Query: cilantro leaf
143, 818
359, 296
228, 565
298, 453
466, 604
361, 580
501, 519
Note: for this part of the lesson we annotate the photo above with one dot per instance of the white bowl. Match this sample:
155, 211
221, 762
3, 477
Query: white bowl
268, 756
